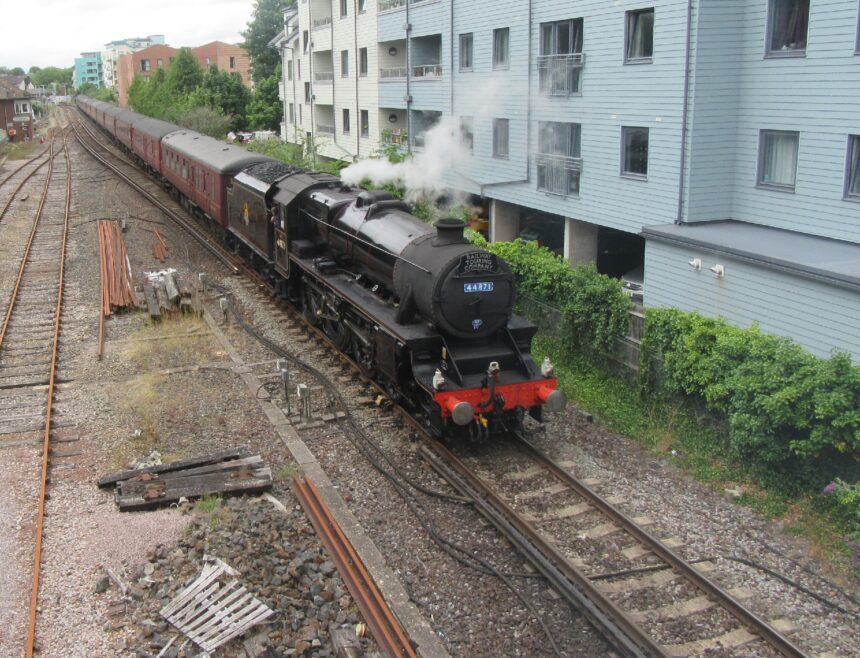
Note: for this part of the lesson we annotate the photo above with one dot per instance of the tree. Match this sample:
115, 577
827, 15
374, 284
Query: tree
225, 92
51, 75
266, 21
205, 120
185, 74
5, 70
265, 111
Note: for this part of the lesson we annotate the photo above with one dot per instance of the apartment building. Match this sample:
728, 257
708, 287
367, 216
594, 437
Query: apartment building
88, 70
716, 142
115, 49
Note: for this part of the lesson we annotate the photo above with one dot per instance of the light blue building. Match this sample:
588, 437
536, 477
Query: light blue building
717, 141
88, 69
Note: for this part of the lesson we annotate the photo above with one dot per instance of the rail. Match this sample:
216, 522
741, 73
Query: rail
322, 21
560, 75
323, 76
324, 129
424, 71
558, 174
383, 624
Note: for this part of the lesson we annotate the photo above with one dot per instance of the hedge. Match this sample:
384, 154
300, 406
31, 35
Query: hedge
786, 409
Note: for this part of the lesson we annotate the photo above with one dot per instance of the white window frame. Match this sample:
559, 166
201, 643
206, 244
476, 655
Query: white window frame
363, 62
364, 123
792, 52
292, 112
344, 8
467, 134
362, 6
467, 37
344, 63
634, 175
769, 185
853, 156
499, 65
497, 152
645, 59
345, 121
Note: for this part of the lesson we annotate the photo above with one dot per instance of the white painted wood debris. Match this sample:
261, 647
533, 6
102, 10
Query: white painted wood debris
216, 607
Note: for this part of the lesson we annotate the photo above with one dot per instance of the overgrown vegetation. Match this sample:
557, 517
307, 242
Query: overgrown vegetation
99, 93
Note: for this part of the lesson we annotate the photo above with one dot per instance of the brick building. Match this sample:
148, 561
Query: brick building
17, 120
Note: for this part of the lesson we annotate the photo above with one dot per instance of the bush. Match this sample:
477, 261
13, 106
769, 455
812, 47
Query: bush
787, 410
594, 308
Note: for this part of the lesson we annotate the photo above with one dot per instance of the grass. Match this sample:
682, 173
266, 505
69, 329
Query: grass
693, 441
179, 342
288, 471
19, 150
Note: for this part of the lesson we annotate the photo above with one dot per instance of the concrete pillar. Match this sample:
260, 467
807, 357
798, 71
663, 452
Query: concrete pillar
504, 221
580, 241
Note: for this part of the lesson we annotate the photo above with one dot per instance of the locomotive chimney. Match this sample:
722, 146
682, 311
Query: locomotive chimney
449, 230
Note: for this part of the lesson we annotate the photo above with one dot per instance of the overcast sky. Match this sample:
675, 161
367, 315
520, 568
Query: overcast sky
57, 31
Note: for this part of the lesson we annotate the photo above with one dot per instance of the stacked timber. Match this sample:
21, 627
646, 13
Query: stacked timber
232, 471
116, 279
167, 293
159, 247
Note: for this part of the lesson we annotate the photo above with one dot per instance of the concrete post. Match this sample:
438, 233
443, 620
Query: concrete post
504, 221
580, 241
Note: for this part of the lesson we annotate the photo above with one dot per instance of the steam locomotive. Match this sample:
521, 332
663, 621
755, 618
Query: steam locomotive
418, 308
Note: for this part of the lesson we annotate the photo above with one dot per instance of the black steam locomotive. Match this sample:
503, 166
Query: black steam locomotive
419, 309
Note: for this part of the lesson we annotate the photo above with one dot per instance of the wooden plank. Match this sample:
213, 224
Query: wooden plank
151, 301
344, 641
254, 485
232, 453
252, 463
204, 480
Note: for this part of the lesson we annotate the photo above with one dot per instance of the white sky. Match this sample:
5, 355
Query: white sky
57, 31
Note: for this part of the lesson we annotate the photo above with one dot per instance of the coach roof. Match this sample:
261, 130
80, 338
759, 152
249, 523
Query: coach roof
219, 156
155, 128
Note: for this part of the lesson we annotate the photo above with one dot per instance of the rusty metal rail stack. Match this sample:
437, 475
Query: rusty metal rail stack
117, 283
383, 624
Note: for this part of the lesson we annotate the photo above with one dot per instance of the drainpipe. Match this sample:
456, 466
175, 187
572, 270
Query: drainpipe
284, 78
408, 27
528, 100
357, 75
679, 219
451, 66
311, 80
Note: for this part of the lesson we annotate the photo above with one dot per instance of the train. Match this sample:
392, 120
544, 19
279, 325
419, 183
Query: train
418, 308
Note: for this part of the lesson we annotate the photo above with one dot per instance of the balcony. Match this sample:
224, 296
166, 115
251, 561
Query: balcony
321, 22
427, 71
558, 174
392, 73
560, 75
323, 76
324, 129
390, 5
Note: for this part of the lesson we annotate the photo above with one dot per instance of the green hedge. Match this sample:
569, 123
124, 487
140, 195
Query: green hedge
593, 306
786, 409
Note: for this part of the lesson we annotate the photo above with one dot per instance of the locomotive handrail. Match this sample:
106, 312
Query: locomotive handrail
364, 242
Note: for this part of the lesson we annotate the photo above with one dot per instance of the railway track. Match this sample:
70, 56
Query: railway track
30, 332
575, 563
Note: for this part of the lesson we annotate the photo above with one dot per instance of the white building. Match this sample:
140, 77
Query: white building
113, 50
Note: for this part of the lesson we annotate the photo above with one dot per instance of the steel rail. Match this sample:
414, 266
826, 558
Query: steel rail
387, 632
754, 624
46, 440
202, 238
28, 177
29, 161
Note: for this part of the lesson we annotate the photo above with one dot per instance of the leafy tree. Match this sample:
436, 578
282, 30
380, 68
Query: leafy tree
265, 111
185, 74
266, 21
205, 120
50, 75
5, 70
225, 92
33, 70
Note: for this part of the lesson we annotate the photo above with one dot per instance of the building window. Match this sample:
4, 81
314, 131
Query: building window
144, 65
362, 62
467, 134
501, 48
362, 6
159, 63
500, 138
777, 159
299, 68
560, 61
232, 62
290, 70
345, 122
208, 61
852, 184
639, 36
305, 41
300, 114
307, 92
788, 21
634, 156
466, 52
344, 63
558, 161
344, 6
365, 123
292, 113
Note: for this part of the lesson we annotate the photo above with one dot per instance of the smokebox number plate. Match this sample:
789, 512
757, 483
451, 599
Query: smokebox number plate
484, 286
478, 261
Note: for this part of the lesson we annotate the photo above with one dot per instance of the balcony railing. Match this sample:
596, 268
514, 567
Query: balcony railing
558, 174
424, 71
322, 21
323, 76
427, 71
392, 73
560, 75
323, 129
386, 5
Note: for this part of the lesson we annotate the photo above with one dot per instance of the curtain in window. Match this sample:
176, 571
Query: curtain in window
640, 34
500, 47
854, 167
779, 159
790, 19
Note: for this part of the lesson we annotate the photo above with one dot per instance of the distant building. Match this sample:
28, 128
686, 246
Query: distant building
88, 70
17, 118
114, 49
229, 58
